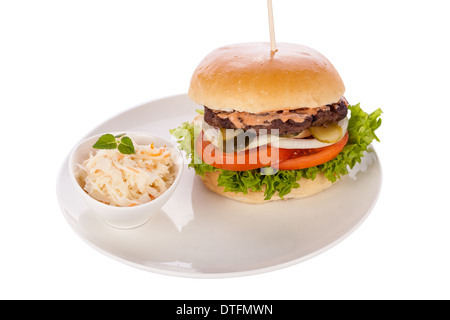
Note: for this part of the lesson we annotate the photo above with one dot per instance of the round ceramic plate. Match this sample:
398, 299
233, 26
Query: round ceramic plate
201, 234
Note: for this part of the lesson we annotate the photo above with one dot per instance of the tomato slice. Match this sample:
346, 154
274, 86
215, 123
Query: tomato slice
306, 158
240, 161
283, 159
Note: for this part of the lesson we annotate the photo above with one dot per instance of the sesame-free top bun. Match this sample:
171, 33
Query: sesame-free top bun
307, 188
250, 77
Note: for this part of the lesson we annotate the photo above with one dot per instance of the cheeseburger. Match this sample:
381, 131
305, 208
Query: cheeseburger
274, 125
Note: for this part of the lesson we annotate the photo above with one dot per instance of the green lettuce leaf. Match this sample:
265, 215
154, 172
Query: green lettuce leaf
361, 130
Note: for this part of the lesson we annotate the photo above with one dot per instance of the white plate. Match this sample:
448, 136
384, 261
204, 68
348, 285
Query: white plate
201, 234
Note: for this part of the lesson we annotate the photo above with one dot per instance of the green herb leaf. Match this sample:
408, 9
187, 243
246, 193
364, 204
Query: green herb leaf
106, 141
126, 146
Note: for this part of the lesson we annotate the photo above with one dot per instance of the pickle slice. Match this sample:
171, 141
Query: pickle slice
228, 134
235, 140
329, 133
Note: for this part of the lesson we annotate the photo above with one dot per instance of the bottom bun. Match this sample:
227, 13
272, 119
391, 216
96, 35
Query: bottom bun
307, 188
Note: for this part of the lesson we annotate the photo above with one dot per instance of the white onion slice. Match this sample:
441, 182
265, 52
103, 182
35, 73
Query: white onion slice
213, 135
286, 143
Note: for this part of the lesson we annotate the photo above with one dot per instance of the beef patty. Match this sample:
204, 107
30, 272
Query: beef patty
286, 121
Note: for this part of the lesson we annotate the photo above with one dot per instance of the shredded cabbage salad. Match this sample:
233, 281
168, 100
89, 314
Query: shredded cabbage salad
126, 180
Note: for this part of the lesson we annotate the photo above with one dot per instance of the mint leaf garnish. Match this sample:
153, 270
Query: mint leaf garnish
106, 141
126, 146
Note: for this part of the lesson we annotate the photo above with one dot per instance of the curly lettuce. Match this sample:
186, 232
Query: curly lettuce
361, 130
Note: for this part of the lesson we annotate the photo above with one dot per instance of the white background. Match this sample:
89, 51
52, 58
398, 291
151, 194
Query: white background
66, 66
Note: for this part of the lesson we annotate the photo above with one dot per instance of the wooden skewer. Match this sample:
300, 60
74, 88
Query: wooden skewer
273, 44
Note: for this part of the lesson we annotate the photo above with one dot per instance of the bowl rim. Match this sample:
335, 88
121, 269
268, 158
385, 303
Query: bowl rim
161, 198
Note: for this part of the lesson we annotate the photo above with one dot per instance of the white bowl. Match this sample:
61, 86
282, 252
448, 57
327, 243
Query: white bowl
124, 217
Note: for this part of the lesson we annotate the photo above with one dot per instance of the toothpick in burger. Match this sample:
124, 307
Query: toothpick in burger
274, 125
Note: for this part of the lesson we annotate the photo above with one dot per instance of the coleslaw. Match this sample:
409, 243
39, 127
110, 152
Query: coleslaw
126, 180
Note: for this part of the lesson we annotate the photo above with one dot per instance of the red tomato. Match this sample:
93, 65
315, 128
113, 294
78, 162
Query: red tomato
283, 159
306, 158
240, 161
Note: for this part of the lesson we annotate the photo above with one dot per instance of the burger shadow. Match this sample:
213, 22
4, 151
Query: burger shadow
238, 236
201, 232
